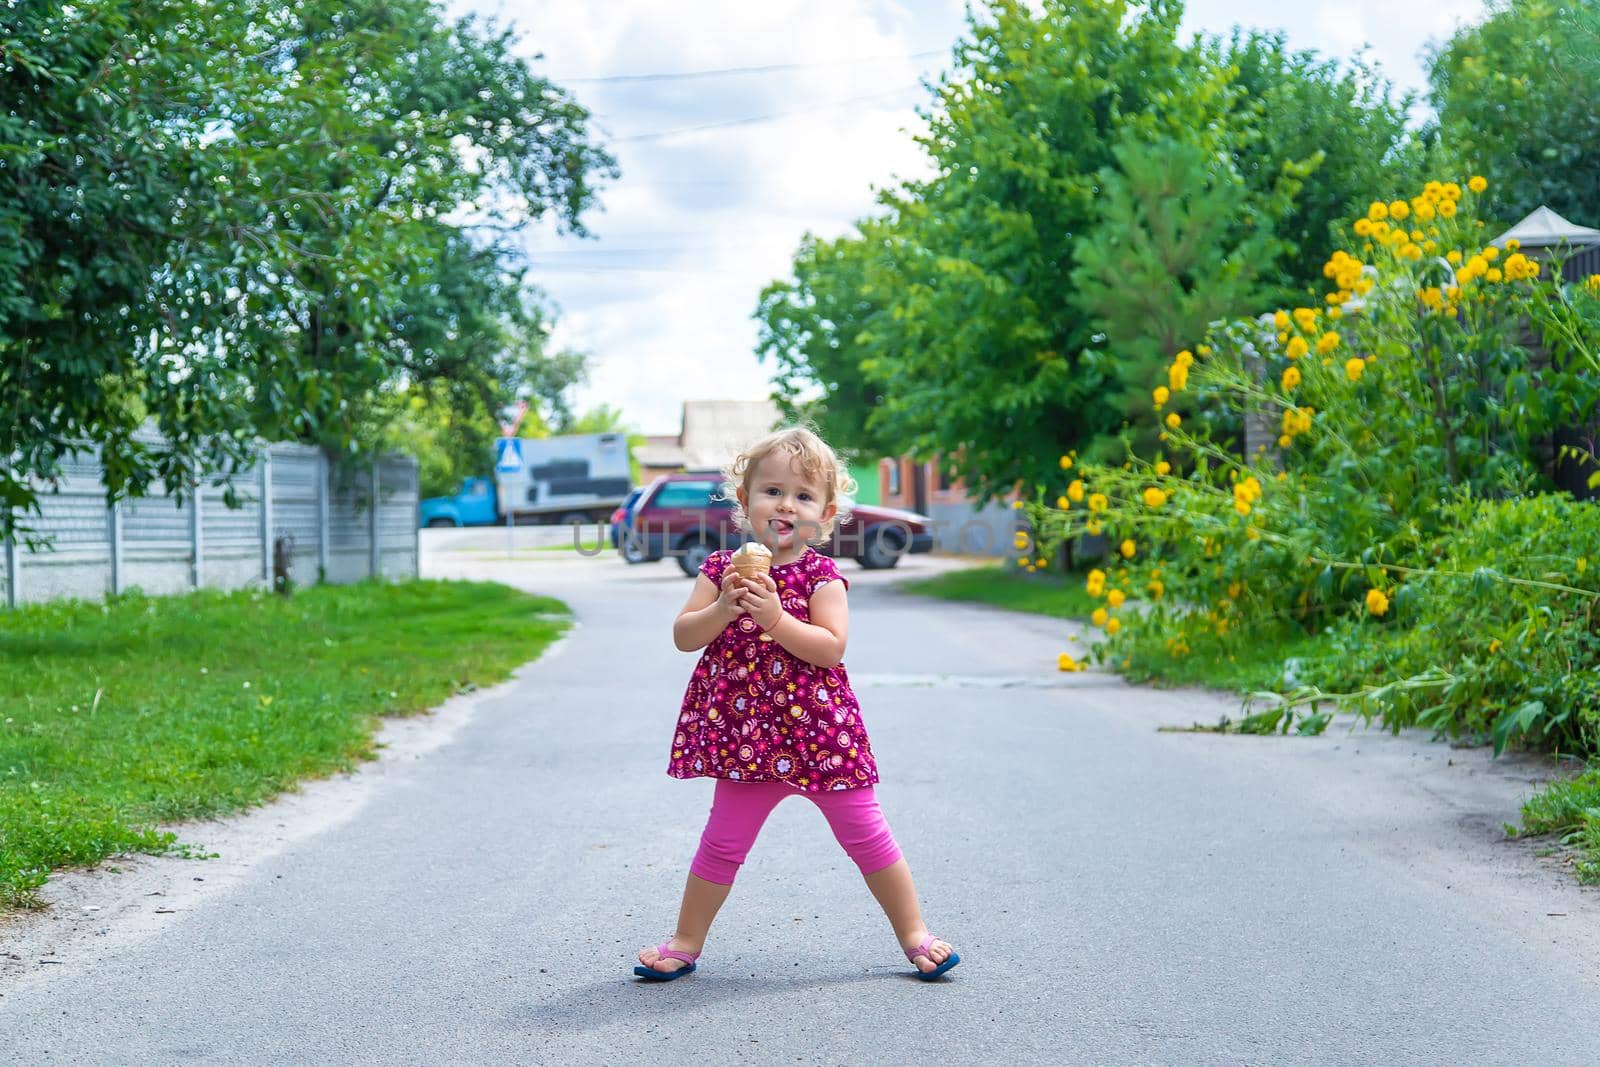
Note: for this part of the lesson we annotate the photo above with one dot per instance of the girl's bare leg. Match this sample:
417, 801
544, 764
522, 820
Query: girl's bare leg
701, 902
898, 896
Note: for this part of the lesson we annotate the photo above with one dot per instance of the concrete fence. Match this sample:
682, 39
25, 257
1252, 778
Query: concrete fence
171, 544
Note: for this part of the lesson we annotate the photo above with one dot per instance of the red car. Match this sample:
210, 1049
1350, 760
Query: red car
683, 516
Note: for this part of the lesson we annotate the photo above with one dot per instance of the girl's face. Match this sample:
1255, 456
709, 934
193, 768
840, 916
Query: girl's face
785, 510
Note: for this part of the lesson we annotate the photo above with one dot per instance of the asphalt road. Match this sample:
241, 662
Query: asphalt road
1118, 894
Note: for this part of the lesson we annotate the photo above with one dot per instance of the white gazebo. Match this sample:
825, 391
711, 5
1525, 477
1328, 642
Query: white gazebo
1543, 229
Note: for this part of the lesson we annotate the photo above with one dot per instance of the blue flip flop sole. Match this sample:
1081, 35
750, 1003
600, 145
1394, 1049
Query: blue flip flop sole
652, 975
928, 976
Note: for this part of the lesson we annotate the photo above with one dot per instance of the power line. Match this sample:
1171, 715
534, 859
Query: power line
688, 75
765, 118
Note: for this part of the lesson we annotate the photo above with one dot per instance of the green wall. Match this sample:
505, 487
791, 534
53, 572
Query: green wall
866, 476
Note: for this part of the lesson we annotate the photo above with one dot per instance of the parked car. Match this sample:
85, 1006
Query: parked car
684, 516
619, 520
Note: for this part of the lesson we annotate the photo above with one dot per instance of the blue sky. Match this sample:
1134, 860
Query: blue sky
710, 206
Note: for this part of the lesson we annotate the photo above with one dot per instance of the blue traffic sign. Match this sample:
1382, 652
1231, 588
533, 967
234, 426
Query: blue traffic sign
508, 455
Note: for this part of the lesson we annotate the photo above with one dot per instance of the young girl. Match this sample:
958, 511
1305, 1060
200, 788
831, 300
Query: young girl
769, 712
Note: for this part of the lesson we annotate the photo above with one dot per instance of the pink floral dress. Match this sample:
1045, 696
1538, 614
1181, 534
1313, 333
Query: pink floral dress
755, 712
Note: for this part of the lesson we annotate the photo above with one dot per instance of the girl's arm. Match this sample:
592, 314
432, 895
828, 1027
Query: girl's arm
821, 641
708, 612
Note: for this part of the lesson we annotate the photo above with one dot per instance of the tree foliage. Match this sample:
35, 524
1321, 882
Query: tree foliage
1101, 192
241, 218
1517, 99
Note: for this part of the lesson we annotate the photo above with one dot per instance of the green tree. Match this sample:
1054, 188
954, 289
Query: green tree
247, 218
1517, 102
809, 327
1101, 193
1178, 245
1335, 123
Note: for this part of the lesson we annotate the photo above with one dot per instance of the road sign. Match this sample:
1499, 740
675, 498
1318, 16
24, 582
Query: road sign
508, 455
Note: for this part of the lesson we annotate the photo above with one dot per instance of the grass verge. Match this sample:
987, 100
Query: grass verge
1571, 809
1064, 597
145, 710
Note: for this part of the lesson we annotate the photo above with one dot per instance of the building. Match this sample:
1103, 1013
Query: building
713, 432
959, 524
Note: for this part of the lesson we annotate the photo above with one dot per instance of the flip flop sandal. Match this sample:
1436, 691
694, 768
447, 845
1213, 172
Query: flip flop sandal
926, 949
653, 975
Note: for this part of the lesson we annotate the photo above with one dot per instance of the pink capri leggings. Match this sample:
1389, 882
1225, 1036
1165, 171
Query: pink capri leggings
738, 810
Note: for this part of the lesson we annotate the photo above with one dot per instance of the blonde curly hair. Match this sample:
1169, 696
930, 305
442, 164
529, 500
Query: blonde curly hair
816, 463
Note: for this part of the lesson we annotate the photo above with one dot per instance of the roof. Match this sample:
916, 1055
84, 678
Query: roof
714, 431
660, 450
1543, 228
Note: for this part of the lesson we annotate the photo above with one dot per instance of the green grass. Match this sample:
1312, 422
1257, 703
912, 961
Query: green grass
1003, 587
149, 710
1064, 597
1570, 808
1222, 667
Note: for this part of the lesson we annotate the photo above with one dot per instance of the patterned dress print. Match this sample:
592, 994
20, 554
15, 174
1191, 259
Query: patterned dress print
754, 712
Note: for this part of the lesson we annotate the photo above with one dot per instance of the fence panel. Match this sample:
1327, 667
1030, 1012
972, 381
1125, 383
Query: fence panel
164, 544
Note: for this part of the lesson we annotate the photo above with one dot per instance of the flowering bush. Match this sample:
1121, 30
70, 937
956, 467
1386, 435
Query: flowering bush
1408, 392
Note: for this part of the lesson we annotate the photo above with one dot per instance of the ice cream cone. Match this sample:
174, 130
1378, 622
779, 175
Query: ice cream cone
752, 560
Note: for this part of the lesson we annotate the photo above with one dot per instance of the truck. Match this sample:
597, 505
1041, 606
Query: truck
573, 478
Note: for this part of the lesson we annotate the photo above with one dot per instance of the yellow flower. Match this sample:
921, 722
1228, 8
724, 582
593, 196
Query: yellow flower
1065, 662
1113, 625
1280, 318
1063, 504
1492, 274
1354, 368
1450, 191
1173, 422
1075, 491
1098, 502
1163, 467
1016, 505
1020, 542
1291, 378
1161, 395
1297, 348
1399, 209
1512, 244
1328, 342
1494, 646
1178, 376
1491, 253
1066, 463
1377, 603
1100, 616
1477, 183
1284, 440
1093, 527
1115, 598
1040, 562
1377, 210
1097, 576
1305, 318
1154, 497
1156, 588
1241, 506
1453, 256
1447, 209
1127, 548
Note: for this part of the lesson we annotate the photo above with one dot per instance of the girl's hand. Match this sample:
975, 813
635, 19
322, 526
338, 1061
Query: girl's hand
761, 601
731, 600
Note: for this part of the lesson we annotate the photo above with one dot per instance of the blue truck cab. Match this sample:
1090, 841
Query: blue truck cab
474, 505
